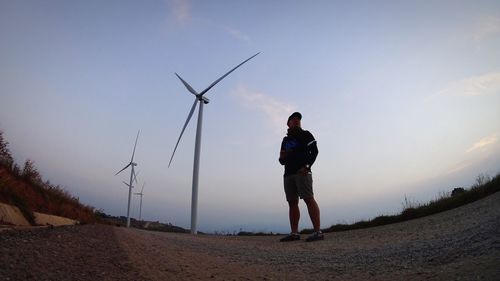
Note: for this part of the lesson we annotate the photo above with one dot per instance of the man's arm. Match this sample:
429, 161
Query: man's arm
282, 157
283, 153
312, 153
311, 149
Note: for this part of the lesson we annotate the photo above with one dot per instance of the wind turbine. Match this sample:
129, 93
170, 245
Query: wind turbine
140, 194
133, 177
196, 166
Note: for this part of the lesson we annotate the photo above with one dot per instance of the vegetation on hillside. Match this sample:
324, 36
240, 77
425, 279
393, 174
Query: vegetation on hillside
147, 225
483, 187
25, 188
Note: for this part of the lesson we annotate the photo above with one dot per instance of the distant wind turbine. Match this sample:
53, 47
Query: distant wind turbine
141, 194
196, 166
133, 177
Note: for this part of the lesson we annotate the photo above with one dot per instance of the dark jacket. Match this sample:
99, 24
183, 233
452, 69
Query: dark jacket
300, 149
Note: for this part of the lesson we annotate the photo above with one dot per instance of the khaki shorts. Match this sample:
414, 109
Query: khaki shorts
298, 186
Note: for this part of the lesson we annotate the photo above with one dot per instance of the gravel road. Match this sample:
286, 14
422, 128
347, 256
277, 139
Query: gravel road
460, 244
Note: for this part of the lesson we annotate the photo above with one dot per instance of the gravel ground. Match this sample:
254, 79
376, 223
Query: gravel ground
460, 244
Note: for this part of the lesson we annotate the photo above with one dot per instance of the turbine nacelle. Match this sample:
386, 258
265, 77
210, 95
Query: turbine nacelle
204, 99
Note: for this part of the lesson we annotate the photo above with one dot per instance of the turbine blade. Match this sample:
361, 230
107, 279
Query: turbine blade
183, 128
224, 76
193, 91
132, 160
126, 184
143, 187
124, 168
135, 175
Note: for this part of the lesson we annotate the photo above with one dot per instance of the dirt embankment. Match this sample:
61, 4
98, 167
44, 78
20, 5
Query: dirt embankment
32, 196
11, 215
460, 244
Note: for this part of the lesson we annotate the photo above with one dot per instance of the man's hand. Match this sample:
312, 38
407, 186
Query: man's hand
282, 154
304, 171
282, 157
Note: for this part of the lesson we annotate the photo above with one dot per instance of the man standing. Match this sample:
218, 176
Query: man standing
298, 153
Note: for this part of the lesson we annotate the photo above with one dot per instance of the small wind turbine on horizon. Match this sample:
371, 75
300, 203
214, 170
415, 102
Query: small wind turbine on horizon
133, 177
196, 165
141, 194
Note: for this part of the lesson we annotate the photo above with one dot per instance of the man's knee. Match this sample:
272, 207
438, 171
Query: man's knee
293, 203
309, 200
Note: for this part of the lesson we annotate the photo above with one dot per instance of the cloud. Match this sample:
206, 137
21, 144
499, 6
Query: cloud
473, 86
485, 28
236, 33
275, 111
486, 141
458, 168
474, 159
180, 10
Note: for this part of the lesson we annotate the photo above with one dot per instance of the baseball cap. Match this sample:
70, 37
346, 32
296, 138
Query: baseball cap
294, 115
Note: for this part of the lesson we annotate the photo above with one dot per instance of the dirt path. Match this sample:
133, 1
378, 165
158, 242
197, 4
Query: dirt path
460, 244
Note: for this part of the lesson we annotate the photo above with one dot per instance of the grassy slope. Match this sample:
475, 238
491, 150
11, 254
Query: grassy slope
444, 203
32, 197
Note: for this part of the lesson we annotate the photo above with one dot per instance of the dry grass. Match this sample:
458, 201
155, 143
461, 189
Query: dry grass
31, 197
483, 187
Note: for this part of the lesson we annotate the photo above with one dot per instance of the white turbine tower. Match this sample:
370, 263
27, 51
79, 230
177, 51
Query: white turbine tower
133, 177
202, 100
141, 194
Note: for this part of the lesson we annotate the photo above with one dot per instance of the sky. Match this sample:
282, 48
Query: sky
403, 98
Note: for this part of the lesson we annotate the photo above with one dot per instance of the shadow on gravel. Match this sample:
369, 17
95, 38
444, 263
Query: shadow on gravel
88, 252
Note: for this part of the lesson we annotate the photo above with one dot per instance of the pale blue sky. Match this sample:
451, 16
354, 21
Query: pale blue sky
403, 98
